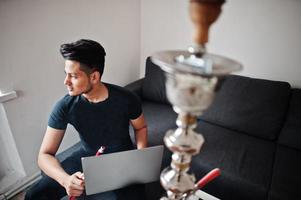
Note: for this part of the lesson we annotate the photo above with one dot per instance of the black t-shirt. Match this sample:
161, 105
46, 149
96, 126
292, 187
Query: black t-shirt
104, 123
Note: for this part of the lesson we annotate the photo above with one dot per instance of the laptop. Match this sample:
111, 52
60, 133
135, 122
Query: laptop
117, 170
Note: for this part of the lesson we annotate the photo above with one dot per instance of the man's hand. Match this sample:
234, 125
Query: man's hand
74, 184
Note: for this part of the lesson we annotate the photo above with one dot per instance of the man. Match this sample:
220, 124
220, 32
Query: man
101, 114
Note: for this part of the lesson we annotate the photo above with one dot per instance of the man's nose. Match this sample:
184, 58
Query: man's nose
67, 81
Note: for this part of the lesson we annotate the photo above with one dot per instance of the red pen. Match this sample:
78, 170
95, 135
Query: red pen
98, 153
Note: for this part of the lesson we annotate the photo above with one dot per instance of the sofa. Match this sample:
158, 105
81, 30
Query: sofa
252, 132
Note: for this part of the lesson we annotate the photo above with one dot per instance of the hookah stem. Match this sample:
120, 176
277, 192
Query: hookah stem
207, 178
98, 153
203, 181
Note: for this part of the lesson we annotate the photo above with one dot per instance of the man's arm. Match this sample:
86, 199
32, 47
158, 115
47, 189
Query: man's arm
140, 129
51, 166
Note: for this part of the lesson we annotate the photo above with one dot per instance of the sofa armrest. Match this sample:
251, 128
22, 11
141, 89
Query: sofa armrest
68, 152
135, 87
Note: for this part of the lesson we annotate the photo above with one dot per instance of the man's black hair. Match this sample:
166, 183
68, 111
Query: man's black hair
88, 52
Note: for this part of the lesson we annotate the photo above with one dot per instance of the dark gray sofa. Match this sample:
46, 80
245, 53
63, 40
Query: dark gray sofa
252, 133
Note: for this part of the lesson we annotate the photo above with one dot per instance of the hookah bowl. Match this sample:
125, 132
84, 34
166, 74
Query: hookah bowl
190, 86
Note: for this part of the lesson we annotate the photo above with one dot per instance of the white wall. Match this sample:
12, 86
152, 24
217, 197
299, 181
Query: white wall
11, 167
31, 32
264, 35
164, 25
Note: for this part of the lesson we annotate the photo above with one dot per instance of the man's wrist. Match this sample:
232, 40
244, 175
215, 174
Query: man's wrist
62, 180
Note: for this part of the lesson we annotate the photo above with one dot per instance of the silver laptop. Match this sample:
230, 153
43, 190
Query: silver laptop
117, 170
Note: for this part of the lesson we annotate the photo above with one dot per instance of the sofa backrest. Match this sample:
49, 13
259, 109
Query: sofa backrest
285, 182
290, 134
253, 106
153, 87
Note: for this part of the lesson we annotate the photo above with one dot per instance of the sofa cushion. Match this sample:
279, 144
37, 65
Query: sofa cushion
253, 106
135, 87
291, 133
153, 87
286, 174
245, 162
159, 118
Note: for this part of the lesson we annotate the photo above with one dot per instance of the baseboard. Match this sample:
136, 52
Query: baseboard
11, 177
22, 185
2, 197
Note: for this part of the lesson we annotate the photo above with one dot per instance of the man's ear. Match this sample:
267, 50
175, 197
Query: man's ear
95, 77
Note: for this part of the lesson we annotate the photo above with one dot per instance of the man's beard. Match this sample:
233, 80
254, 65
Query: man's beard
89, 89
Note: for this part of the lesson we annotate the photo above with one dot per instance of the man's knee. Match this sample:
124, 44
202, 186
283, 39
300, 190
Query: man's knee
45, 189
133, 192
33, 194
28, 195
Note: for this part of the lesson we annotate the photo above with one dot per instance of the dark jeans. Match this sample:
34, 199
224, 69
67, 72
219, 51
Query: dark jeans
48, 189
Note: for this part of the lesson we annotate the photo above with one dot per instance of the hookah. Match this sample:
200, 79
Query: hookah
191, 79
